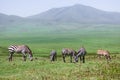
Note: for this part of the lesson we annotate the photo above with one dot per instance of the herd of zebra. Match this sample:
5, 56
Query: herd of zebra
24, 49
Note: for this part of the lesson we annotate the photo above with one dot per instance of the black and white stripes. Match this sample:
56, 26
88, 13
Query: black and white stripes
12, 48
20, 49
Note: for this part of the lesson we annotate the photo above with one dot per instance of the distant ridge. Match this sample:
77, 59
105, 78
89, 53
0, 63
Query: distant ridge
77, 14
7, 19
71, 14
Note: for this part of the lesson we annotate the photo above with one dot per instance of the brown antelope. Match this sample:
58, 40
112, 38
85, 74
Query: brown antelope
103, 53
20, 49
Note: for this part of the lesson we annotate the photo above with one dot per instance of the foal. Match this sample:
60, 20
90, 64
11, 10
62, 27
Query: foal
53, 55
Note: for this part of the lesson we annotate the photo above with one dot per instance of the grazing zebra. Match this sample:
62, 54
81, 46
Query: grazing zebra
103, 53
20, 49
53, 55
81, 53
70, 52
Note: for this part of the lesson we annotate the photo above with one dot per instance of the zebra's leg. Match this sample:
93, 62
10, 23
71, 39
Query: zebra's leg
80, 58
56, 57
10, 56
53, 57
64, 58
24, 56
83, 59
71, 58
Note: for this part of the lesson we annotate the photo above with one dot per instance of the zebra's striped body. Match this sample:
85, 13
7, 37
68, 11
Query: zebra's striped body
70, 52
81, 53
20, 49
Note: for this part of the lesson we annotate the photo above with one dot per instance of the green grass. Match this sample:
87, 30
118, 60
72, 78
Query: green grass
43, 69
43, 38
47, 37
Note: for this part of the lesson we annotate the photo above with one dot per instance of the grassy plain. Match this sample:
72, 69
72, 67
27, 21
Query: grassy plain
42, 69
43, 38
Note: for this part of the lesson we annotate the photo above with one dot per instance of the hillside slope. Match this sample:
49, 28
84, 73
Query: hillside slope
77, 14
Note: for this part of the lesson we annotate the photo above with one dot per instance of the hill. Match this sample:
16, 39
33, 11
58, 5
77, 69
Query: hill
77, 14
71, 14
7, 19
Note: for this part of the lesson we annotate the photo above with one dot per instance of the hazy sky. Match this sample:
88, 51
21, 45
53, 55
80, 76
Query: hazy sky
31, 7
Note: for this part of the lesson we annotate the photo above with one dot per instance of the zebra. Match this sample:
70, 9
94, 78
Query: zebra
69, 52
81, 53
53, 55
20, 49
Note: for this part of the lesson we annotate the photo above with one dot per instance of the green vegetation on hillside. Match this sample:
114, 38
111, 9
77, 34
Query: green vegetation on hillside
44, 38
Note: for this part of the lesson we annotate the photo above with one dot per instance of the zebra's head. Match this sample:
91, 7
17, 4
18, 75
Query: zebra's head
31, 59
76, 58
